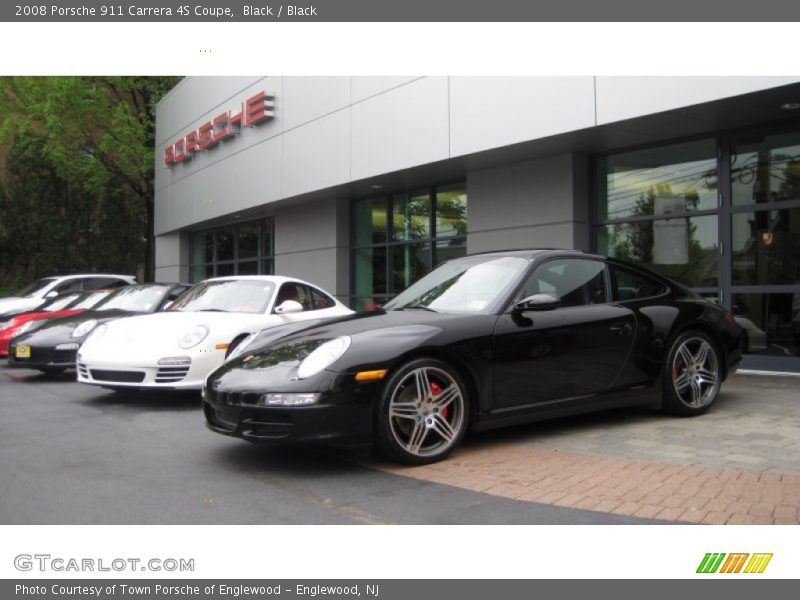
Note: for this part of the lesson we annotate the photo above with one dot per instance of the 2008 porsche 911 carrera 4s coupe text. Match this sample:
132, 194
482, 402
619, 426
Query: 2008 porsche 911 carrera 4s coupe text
480, 342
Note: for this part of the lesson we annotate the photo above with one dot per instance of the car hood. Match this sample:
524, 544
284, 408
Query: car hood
377, 339
59, 329
163, 330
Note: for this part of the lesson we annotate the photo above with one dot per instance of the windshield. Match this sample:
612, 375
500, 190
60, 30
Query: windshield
59, 302
134, 298
30, 291
474, 284
90, 299
245, 296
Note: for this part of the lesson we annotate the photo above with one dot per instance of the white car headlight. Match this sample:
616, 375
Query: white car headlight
323, 357
193, 337
84, 328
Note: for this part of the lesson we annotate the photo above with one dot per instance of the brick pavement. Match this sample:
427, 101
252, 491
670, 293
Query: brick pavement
738, 464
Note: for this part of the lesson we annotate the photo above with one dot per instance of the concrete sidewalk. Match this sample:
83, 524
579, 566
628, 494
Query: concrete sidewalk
739, 463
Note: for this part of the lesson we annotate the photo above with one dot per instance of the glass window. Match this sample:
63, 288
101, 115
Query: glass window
247, 268
575, 282
658, 181
448, 250
766, 247
226, 269
321, 300
684, 249
451, 211
202, 248
243, 249
771, 323
246, 296
766, 170
409, 263
369, 222
628, 285
32, 289
248, 240
226, 244
473, 284
370, 271
387, 256
71, 285
411, 216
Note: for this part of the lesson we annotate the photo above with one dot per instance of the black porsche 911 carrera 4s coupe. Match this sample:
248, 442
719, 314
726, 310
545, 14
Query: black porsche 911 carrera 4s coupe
480, 342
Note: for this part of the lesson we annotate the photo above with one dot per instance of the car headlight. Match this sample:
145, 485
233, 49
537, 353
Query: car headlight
193, 337
240, 347
323, 357
84, 328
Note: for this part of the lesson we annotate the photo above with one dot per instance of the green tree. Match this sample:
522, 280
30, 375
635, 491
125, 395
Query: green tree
99, 136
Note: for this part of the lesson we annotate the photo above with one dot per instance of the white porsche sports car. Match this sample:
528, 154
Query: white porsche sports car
178, 348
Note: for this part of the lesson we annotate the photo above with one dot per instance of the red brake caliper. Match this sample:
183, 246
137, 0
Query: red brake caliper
436, 389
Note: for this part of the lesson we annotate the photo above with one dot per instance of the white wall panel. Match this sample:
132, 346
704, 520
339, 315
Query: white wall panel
401, 128
317, 155
308, 98
365, 87
488, 112
620, 98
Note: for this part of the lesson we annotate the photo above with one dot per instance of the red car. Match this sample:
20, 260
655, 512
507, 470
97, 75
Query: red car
66, 304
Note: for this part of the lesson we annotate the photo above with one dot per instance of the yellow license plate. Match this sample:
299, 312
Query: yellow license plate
23, 351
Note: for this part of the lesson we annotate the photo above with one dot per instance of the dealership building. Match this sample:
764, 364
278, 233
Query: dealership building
363, 184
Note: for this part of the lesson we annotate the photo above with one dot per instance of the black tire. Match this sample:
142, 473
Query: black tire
692, 374
52, 371
415, 428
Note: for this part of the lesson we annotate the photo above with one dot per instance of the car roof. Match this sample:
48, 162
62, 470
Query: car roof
535, 252
276, 279
76, 275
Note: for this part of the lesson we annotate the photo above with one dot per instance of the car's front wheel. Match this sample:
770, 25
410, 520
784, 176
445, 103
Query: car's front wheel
692, 374
423, 412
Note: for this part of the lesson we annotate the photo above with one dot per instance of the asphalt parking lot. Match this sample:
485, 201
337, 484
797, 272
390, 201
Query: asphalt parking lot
77, 454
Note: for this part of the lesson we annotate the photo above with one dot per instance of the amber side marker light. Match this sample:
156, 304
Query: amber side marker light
370, 375
222, 346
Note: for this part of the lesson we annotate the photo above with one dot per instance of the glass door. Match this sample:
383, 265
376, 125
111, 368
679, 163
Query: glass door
761, 225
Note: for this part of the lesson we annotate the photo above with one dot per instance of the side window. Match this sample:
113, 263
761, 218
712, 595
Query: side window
103, 283
576, 282
628, 285
294, 291
320, 300
70, 285
175, 292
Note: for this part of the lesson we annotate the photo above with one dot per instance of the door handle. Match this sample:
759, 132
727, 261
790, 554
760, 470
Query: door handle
622, 328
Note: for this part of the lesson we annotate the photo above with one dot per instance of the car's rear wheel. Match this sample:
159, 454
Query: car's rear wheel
692, 374
423, 412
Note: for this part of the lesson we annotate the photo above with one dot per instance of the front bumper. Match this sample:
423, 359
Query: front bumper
129, 374
342, 415
43, 357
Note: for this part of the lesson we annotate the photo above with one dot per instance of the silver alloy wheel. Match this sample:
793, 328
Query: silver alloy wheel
426, 411
695, 372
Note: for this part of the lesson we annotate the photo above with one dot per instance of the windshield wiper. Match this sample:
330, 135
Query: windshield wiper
212, 310
417, 307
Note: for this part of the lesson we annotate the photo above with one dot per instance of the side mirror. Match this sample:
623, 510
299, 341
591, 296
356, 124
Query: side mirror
537, 302
289, 306
51, 294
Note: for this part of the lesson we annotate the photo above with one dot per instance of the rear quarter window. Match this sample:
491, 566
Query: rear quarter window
630, 285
